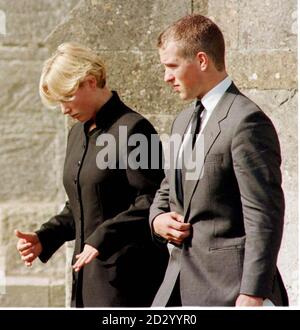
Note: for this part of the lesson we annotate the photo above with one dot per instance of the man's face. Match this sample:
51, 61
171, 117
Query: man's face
80, 106
184, 75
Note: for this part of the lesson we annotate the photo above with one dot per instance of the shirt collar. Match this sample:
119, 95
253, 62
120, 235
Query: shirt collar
211, 99
109, 112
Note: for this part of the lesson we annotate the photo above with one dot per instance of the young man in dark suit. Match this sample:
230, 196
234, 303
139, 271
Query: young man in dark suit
224, 227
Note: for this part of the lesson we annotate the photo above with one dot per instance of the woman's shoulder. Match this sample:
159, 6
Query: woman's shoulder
75, 129
132, 118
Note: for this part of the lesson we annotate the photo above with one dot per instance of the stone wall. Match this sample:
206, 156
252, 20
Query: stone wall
261, 40
32, 147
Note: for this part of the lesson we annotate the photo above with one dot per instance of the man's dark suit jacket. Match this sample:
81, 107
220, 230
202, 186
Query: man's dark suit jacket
109, 210
236, 209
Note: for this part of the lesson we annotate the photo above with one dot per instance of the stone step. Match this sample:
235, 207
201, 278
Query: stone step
39, 292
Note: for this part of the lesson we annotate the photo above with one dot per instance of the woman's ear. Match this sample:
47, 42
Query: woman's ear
92, 81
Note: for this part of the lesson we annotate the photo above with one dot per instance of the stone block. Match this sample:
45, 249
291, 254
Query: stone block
57, 294
138, 77
29, 167
247, 24
21, 109
20, 93
2, 266
28, 217
119, 25
21, 89
33, 138
268, 25
32, 292
30, 22
225, 13
263, 69
281, 107
252, 31
162, 123
23, 54
200, 7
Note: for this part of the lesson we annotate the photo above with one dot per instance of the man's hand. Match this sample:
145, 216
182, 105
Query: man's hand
171, 226
29, 246
244, 300
86, 256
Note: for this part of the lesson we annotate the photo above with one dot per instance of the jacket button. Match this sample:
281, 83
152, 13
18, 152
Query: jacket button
79, 163
75, 181
83, 146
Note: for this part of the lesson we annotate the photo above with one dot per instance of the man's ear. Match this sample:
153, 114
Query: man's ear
203, 60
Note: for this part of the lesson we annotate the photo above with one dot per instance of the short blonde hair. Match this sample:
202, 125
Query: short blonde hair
63, 73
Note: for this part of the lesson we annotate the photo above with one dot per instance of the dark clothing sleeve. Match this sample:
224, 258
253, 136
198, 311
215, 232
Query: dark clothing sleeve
256, 160
56, 232
160, 205
131, 225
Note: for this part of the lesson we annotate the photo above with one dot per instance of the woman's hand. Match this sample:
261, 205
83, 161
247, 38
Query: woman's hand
86, 256
29, 246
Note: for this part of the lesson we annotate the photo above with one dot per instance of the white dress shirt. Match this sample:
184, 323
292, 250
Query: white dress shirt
209, 101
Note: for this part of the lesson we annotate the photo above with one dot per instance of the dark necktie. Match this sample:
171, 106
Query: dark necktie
196, 121
195, 129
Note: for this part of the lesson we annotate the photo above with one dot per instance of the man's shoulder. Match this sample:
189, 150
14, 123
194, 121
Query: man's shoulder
243, 106
245, 111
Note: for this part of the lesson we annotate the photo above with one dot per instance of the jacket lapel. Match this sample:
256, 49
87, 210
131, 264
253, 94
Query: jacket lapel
179, 128
210, 134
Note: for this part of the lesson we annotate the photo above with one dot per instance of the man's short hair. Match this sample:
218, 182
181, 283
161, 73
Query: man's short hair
195, 33
63, 73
